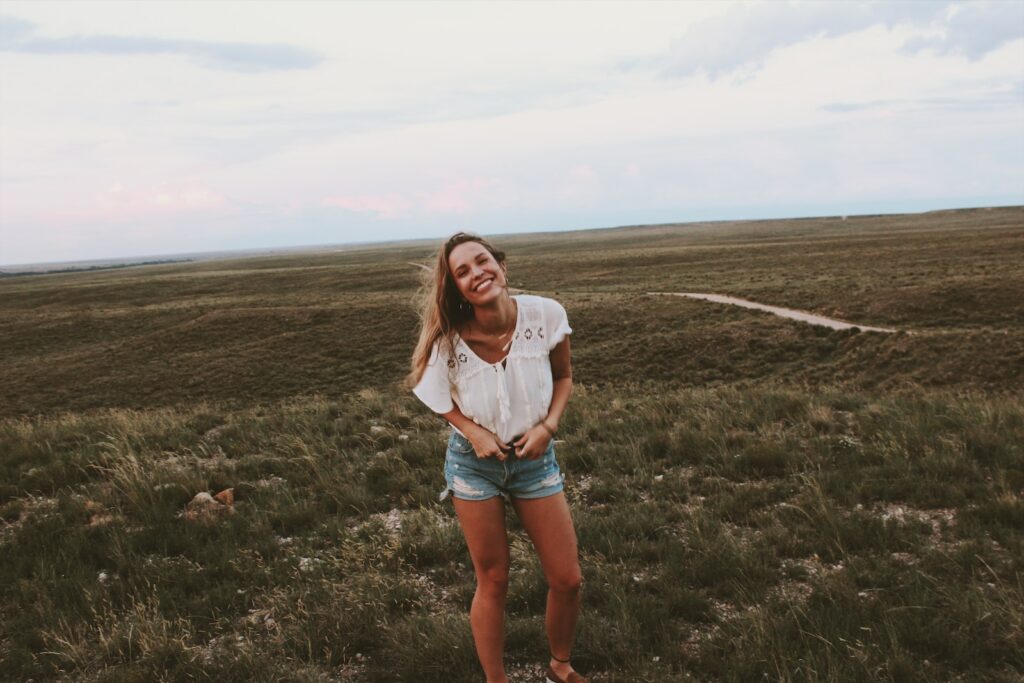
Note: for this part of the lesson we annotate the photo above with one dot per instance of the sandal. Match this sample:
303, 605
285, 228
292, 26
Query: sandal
552, 677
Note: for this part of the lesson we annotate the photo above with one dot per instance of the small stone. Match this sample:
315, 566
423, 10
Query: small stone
205, 508
101, 519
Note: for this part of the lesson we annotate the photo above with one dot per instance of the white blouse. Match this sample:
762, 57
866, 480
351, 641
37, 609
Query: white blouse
507, 400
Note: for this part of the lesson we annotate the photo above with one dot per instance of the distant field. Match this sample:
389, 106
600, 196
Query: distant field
754, 496
270, 328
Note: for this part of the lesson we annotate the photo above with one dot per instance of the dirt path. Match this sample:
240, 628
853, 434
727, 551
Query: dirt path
802, 316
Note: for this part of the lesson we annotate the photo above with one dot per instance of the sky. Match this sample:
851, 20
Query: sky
149, 128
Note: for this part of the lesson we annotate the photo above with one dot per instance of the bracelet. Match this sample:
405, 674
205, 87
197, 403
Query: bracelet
545, 425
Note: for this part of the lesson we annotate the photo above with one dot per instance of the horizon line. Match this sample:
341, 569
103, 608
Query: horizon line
180, 256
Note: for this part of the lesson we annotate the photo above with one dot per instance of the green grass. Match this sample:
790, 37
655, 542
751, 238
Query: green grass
754, 498
723, 531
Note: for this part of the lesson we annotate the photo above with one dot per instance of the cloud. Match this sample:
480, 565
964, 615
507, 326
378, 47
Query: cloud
385, 207
582, 185
743, 37
975, 29
999, 97
12, 28
17, 35
119, 203
456, 197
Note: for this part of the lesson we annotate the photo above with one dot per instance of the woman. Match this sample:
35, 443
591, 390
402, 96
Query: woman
498, 368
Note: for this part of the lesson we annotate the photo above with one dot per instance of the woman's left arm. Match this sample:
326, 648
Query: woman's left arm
533, 443
561, 374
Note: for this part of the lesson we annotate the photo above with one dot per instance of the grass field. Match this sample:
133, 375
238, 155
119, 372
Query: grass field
755, 498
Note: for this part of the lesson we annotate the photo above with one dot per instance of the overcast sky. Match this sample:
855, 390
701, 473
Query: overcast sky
144, 128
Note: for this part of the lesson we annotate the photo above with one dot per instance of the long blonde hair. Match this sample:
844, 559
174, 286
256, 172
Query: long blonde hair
442, 307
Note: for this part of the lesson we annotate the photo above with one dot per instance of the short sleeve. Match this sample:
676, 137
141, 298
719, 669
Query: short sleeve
434, 388
556, 322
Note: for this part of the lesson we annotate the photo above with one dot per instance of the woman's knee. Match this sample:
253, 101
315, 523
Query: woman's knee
569, 581
493, 579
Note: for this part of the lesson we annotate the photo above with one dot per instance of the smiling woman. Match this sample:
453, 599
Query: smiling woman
498, 369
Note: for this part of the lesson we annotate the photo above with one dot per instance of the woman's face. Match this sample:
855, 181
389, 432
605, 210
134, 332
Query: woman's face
478, 276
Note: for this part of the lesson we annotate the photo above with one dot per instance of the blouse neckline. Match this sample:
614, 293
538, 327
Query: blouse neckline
515, 337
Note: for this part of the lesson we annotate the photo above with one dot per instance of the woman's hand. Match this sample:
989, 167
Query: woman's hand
487, 445
534, 443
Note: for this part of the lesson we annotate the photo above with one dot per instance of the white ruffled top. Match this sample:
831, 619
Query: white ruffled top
508, 397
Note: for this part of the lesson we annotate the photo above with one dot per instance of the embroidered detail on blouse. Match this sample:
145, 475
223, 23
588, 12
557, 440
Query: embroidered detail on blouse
525, 344
540, 332
451, 362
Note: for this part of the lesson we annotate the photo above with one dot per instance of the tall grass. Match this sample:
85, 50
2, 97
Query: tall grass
726, 534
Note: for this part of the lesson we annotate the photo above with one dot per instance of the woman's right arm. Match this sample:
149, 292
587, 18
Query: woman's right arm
434, 389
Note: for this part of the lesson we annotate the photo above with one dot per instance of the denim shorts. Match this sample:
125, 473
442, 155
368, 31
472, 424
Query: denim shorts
468, 477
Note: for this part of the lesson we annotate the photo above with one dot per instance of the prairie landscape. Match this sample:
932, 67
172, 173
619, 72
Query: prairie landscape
756, 498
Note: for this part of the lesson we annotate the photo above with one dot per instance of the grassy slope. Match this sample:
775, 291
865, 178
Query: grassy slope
752, 495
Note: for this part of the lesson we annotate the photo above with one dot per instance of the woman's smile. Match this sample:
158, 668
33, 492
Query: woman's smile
478, 276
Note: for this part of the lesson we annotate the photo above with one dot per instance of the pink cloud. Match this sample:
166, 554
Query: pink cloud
582, 172
168, 196
459, 196
581, 185
387, 206
118, 203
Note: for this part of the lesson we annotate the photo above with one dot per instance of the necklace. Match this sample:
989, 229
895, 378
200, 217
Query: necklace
508, 334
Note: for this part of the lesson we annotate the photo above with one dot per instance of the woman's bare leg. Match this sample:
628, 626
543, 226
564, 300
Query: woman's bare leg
483, 525
549, 525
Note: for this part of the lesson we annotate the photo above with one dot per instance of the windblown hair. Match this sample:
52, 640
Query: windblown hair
442, 307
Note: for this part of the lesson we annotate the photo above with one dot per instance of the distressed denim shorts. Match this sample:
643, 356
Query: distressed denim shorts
471, 478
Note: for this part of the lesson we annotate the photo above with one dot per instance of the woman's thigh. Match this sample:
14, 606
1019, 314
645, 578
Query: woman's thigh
483, 525
548, 523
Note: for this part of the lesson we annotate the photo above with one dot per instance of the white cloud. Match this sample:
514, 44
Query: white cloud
974, 29
741, 39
